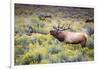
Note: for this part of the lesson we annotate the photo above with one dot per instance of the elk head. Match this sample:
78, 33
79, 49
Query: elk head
67, 36
57, 31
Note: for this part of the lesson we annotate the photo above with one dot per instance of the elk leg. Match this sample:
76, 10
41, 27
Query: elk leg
83, 43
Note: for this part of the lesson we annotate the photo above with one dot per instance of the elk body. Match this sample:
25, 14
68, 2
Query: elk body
69, 37
44, 16
89, 20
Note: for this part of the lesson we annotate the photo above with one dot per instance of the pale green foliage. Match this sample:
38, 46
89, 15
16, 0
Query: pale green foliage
49, 50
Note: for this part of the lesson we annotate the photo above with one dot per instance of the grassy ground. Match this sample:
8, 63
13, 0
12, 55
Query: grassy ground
34, 44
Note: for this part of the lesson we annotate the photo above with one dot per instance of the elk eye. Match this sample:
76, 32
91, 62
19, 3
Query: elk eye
59, 32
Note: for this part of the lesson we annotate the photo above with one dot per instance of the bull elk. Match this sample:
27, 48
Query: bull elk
68, 36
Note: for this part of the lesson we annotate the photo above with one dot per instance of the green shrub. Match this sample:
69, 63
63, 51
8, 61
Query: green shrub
23, 40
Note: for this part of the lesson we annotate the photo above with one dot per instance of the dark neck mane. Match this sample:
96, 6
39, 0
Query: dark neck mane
60, 38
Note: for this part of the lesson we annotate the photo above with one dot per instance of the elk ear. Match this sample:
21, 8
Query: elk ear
54, 27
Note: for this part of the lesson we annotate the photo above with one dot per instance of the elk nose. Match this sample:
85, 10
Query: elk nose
51, 31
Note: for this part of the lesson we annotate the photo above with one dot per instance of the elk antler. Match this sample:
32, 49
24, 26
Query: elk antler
62, 28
